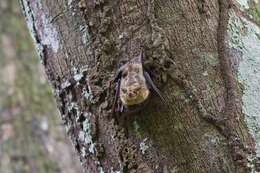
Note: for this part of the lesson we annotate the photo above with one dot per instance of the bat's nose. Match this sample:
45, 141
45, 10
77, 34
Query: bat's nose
131, 94
134, 90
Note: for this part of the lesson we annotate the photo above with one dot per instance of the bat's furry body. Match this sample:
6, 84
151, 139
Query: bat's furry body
134, 84
133, 87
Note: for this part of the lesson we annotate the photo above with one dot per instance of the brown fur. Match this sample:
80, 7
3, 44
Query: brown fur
133, 87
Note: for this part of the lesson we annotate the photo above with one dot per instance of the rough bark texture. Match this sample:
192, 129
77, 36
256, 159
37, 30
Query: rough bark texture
81, 44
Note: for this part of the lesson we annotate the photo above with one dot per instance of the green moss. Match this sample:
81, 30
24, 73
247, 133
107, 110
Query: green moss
137, 128
209, 56
258, 36
212, 59
254, 11
178, 126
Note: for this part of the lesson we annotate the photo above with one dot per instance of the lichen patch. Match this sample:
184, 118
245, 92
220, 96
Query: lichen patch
243, 36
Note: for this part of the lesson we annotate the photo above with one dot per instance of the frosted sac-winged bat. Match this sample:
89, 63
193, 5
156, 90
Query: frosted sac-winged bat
134, 86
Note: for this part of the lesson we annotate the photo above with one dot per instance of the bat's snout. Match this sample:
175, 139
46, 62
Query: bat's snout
133, 94
132, 91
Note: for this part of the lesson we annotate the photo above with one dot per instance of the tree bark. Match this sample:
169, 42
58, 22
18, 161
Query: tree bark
81, 43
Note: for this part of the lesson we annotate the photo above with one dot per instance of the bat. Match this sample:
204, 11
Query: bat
134, 85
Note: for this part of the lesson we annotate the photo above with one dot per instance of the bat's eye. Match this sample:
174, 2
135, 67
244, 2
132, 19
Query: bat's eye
124, 74
124, 90
138, 88
136, 70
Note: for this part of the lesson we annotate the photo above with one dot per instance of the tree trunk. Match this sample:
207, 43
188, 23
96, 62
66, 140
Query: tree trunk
188, 46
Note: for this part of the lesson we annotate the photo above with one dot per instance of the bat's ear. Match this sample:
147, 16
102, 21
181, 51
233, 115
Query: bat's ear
118, 75
141, 56
139, 59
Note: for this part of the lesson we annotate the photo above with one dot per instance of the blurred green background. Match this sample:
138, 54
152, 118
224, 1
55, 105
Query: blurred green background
32, 139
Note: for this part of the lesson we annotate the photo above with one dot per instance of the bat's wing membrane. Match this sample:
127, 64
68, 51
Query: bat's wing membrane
152, 85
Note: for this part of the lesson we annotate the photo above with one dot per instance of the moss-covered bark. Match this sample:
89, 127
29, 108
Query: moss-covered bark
254, 11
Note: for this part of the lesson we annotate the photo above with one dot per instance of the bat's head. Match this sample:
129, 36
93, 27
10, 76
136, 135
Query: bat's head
133, 87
